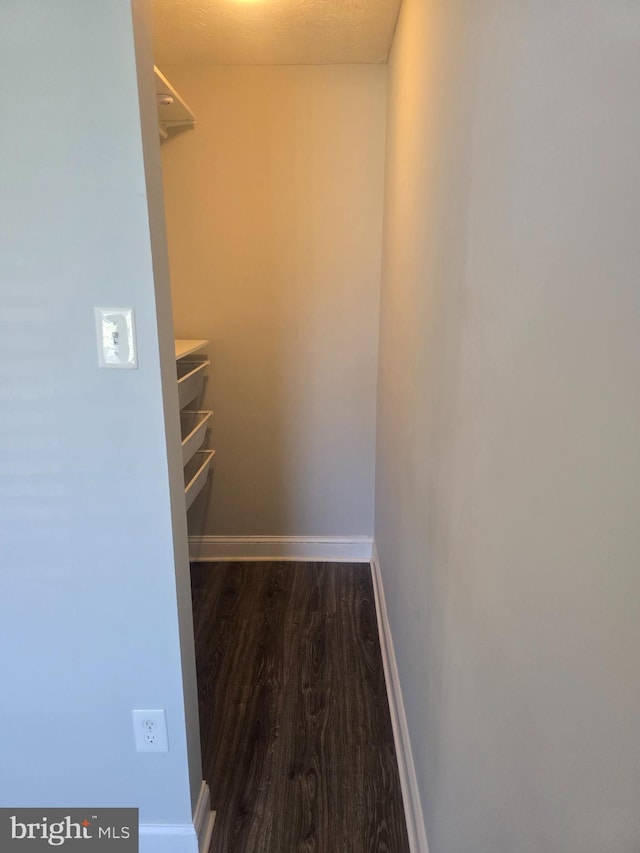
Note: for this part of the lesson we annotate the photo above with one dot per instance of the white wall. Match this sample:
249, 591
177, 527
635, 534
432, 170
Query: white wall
274, 217
508, 462
89, 624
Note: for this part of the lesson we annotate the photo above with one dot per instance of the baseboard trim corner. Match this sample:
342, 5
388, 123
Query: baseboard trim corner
344, 549
406, 768
204, 819
192, 837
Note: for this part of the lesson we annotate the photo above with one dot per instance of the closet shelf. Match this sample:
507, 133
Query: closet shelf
172, 110
187, 347
195, 474
193, 426
190, 379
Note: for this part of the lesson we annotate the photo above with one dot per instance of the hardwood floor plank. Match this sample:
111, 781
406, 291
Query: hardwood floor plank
297, 739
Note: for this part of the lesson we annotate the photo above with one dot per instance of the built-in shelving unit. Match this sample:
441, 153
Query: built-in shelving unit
190, 371
172, 109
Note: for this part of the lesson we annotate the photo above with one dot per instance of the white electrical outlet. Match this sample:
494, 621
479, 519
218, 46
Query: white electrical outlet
150, 730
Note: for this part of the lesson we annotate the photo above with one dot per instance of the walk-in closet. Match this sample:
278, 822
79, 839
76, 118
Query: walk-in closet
273, 170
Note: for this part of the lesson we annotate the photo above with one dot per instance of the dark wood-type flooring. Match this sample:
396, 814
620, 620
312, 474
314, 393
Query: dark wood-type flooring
296, 734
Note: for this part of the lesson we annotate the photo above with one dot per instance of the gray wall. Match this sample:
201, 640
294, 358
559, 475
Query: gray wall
508, 463
274, 218
93, 553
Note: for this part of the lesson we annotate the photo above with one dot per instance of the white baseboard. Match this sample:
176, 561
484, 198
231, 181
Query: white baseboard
406, 768
181, 837
344, 549
168, 838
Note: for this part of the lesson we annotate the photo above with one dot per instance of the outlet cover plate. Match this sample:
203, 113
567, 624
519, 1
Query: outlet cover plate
150, 730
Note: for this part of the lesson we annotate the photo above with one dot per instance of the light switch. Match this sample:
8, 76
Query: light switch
116, 333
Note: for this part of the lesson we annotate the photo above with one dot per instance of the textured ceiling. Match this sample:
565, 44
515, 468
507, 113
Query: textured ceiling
272, 32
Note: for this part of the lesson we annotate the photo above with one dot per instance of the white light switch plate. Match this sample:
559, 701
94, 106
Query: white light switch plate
116, 334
